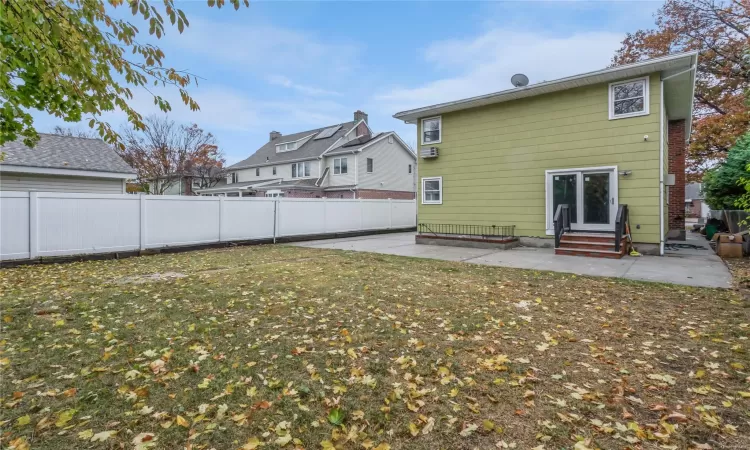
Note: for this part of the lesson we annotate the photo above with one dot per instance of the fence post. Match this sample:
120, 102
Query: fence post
325, 215
275, 216
143, 221
390, 213
221, 217
361, 216
33, 227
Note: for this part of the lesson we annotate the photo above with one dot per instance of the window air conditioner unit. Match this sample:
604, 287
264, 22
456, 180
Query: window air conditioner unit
429, 152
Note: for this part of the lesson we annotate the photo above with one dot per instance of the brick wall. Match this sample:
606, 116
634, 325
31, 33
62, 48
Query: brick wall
339, 194
382, 194
295, 193
676, 154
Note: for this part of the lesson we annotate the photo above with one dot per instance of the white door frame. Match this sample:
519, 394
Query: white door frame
614, 197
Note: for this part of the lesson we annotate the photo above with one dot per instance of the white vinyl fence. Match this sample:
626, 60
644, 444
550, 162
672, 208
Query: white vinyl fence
35, 224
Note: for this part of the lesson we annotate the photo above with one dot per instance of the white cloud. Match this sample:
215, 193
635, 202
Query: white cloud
264, 49
485, 64
280, 80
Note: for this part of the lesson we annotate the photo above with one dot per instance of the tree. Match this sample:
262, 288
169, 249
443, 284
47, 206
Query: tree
74, 60
720, 30
164, 153
74, 132
725, 184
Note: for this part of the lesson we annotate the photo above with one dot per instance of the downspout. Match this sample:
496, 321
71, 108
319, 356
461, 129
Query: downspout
661, 168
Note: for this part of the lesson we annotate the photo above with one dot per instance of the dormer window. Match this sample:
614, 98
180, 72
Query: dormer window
286, 147
292, 145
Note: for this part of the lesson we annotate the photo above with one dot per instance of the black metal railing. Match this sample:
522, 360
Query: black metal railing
562, 222
621, 223
485, 231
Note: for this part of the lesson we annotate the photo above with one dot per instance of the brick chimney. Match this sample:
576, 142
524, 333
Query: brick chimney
360, 115
274, 135
676, 153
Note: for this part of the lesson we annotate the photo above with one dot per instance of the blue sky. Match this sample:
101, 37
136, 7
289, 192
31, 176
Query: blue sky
293, 66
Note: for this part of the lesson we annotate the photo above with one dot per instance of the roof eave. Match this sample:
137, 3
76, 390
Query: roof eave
546, 87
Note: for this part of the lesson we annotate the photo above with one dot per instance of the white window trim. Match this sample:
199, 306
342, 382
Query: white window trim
612, 115
549, 215
432, 202
302, 164
340, 167
440, 130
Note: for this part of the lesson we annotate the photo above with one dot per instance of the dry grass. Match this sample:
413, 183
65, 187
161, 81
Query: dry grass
280, 346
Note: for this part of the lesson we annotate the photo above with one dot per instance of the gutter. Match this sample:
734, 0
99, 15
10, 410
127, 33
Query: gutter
410, 116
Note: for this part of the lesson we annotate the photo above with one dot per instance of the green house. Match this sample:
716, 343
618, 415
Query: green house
592, 154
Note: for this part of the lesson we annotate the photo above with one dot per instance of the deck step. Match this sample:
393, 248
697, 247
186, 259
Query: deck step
591, 245
589, 237
592, 253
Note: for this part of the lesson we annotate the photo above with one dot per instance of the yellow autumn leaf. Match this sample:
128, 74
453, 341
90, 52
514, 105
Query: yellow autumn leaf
86, 434
103, 436
252, 444
182, 422
383, 446
64, 417
23, 420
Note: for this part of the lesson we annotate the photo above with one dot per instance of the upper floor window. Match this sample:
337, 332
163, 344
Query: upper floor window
409, 168
232, 178
432, 130
369, 165
301, 169
257, 171
628, 98
274, 170
340, 166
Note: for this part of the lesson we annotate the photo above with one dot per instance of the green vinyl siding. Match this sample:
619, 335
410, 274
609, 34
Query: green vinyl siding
493, 158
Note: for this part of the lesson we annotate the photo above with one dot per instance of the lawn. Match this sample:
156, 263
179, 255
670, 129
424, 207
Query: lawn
279, 346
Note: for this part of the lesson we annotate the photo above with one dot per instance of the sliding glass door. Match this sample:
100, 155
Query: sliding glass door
590, 193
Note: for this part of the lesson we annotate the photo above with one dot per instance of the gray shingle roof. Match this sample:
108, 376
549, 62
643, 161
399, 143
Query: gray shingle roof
310, 149
65, 152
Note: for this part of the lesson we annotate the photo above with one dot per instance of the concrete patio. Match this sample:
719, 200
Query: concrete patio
688, 266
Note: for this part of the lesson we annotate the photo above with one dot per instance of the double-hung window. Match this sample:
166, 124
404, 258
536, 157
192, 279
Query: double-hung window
628, 98
432, 130
301, 169
340, 166
257, 171
274, 170
432, 191
369, 165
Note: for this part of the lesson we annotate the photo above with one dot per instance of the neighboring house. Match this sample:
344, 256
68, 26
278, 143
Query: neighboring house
601, 142
188, 184
63, 164
345, 160
695, 206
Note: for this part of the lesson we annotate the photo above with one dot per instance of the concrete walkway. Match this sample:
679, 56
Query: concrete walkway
686, 266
